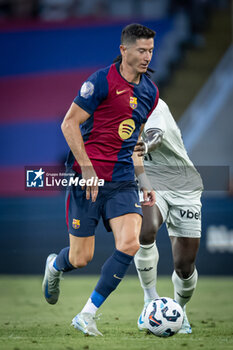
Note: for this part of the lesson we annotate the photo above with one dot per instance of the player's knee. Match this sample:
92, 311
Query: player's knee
184, 269
130, 247
148, 233
147, 237
80, 261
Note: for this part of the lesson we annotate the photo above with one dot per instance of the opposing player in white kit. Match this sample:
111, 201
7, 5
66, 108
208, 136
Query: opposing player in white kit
178, 189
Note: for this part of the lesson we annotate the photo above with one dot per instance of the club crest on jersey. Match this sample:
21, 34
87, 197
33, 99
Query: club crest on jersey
133, 102
75, 223
126, 128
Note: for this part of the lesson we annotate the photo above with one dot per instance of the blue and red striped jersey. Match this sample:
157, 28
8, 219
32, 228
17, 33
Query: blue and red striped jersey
117, 110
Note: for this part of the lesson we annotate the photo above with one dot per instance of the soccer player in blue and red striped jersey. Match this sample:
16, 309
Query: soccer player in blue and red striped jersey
102, 128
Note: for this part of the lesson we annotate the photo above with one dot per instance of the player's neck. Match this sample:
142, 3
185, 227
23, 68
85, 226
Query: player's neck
129, 74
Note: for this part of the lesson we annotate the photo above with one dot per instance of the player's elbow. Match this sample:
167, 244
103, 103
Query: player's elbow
67, 128
65, 125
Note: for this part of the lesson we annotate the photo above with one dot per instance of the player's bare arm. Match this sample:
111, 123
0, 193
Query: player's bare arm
144, 183
151, 141
71, 131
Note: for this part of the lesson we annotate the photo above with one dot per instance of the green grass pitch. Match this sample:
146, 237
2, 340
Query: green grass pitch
27, 322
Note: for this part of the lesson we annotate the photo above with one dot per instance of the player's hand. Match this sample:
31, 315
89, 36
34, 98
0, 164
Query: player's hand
140, 148
88, 173
149, 198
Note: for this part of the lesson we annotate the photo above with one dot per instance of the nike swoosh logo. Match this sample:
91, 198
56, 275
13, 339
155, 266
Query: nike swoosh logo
120, 92
117, 277
137, 205
155, 321
140, 321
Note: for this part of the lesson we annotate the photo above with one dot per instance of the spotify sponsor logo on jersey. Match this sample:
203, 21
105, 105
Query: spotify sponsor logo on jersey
189, 214
126, 128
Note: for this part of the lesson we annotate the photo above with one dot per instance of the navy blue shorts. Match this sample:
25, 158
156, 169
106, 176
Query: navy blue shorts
114, 199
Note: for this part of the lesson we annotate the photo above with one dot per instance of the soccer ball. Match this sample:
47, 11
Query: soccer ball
163, 317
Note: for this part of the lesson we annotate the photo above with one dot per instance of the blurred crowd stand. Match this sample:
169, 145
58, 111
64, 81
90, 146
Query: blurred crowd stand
196, 10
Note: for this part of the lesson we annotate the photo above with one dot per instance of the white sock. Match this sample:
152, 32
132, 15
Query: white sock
146, 260
184, 288
150, 294
90, 307
52, 268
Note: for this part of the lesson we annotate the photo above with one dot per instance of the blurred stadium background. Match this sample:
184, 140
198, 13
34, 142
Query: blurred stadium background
48, 48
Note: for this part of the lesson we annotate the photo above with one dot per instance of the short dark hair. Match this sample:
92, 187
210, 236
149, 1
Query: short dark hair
135, 31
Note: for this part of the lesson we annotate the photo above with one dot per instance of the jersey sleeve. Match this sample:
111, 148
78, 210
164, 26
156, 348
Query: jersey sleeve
93, 91
157, 118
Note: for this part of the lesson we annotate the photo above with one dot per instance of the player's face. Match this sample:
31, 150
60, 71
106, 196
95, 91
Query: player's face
139, 54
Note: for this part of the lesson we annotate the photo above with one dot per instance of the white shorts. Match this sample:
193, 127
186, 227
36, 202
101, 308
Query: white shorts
181, 212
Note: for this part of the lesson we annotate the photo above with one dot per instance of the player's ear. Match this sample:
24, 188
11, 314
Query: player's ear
122, 50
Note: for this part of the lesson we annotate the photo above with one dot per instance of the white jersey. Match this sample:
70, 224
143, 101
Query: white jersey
169, 167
